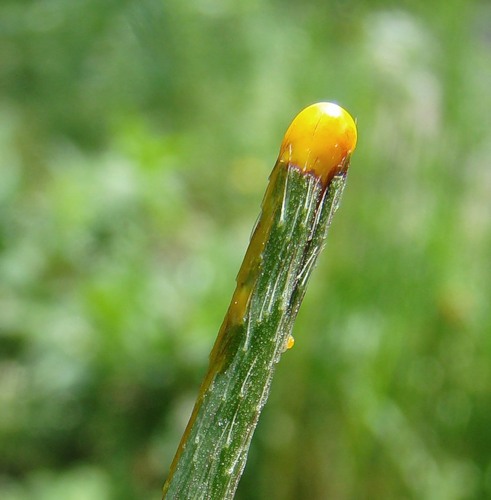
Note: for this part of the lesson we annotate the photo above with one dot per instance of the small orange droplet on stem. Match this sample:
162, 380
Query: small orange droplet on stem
320, 140
290, 342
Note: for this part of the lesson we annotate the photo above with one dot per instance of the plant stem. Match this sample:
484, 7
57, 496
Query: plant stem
297, 210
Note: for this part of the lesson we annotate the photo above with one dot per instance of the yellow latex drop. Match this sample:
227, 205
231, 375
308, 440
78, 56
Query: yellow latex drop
290, 342
320, 140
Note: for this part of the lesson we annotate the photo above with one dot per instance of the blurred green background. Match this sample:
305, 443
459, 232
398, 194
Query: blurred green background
136, 138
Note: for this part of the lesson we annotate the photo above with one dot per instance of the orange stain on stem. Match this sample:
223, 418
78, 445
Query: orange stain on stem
320, 140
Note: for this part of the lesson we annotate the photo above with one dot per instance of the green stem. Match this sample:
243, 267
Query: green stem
296, 214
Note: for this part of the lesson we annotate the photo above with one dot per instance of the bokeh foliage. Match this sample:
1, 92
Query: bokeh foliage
136, 139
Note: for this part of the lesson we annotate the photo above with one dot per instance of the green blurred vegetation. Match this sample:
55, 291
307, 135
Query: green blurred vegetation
136, 139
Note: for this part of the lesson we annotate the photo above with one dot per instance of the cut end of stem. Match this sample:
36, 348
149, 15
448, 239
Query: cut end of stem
320, 140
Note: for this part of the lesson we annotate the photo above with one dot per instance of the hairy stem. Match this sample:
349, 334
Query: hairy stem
290, 233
